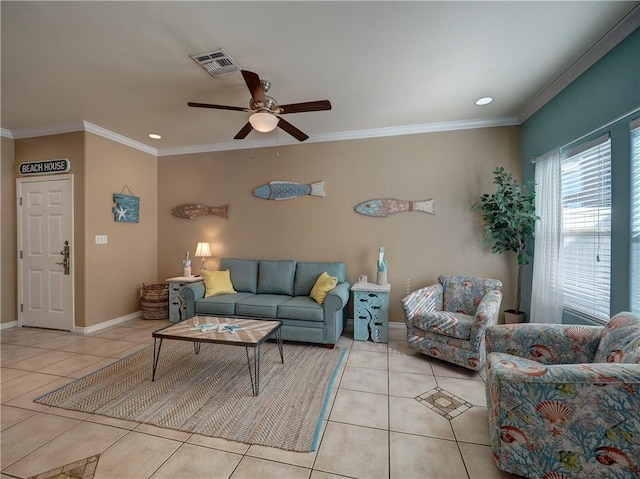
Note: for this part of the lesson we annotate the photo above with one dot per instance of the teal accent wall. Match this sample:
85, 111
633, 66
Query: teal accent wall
602, 94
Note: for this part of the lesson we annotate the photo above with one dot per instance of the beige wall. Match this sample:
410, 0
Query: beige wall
108, 277
8, 235
116, 271
71, 146
454, 168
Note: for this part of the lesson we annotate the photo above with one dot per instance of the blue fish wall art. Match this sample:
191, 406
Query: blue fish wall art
387, 206
285, 190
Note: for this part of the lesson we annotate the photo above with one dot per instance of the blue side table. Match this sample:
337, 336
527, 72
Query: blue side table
176, 305
371, 312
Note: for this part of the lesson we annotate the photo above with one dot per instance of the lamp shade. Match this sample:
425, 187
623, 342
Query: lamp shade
203, 250
263, 122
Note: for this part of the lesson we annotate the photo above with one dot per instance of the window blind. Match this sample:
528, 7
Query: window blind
586, 228
635, 217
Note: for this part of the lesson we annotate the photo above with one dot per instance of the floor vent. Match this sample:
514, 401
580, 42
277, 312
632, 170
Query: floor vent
216, 62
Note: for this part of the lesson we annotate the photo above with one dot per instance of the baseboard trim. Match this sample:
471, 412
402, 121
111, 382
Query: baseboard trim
106, 324
10, 324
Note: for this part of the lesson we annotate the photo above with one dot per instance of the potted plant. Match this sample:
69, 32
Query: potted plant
509, 218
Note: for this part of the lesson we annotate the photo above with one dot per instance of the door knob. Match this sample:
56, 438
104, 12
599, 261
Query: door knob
65, 257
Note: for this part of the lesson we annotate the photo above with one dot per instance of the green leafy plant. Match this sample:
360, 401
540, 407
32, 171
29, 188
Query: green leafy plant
509, 217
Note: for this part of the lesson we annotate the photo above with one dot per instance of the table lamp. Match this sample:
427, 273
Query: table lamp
203, 251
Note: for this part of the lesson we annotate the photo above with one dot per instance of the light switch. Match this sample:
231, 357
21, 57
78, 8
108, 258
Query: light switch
102, 239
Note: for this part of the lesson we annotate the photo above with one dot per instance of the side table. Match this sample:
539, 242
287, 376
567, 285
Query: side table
176, 305
371, 311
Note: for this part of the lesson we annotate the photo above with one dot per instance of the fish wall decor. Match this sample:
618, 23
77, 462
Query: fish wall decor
285, 190
387, 206
191, 211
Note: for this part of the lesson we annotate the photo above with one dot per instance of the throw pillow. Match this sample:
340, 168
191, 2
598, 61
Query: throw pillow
217, 282
620, 342
419, 302
324, 284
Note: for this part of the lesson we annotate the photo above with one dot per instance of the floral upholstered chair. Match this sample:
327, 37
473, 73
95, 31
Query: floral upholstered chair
564, 400
447, 320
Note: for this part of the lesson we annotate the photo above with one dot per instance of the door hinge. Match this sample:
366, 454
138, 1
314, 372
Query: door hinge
20, 254
21, 201
21, 308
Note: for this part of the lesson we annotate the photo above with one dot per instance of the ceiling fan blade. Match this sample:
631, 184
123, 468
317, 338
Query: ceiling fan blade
292, 130
217, 107
242, 134
306, 106
255, 87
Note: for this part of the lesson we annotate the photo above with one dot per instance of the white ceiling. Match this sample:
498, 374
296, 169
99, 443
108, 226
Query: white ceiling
123, 68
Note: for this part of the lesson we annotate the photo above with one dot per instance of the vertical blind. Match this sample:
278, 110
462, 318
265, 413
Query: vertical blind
635, 217
586, 228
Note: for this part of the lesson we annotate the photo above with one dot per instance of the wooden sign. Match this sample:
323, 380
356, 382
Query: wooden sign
45, 167
127, 208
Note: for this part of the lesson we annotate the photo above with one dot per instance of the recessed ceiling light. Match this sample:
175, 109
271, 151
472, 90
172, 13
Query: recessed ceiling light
484, 100
155, 136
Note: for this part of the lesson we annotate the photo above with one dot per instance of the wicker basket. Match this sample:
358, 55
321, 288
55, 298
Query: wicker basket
154, 302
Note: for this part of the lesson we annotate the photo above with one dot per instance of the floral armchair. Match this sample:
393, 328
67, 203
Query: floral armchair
447, 320
564, 400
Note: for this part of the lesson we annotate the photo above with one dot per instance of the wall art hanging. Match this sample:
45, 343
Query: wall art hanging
127, 209
285, 190
388, 206
190, 211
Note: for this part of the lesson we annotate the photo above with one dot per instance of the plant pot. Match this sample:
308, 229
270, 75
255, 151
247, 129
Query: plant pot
511, 316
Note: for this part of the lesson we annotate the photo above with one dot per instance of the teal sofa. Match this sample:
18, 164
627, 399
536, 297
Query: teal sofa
279, 290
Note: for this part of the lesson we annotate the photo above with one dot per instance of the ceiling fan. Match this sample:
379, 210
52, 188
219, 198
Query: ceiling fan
265, 111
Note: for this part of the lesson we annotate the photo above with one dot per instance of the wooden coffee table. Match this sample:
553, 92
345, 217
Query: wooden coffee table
251, 334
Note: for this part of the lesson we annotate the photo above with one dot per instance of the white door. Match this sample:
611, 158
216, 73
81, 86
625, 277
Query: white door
45, 223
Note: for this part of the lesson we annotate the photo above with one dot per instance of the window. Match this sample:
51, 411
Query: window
586, 228
635, 217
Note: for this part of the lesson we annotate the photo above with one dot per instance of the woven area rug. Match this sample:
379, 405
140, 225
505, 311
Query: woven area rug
210, 393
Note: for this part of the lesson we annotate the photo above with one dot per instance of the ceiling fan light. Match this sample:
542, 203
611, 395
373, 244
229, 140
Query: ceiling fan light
263, 122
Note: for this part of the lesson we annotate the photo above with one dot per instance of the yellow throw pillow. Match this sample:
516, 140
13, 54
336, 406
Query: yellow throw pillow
324, 284
217, 282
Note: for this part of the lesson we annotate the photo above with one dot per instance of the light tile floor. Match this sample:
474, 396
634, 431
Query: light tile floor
378, 426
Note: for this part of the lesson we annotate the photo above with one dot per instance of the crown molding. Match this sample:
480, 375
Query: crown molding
608, 42
74, 127
103, 132
262, 143
237, 145
6, 133
347, 135
46, 130
416, 129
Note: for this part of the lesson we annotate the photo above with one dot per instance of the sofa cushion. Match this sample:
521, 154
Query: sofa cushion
217, 282
324, 284
244, 273
620, 342
261, 306
454, 325
307, 273
276, 277
302, 308
419, 302
223, 305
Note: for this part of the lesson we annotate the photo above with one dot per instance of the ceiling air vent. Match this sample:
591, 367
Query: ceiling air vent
216, 62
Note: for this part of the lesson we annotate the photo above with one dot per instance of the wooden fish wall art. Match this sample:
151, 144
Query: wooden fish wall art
191, 211
388, 206
285, 190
